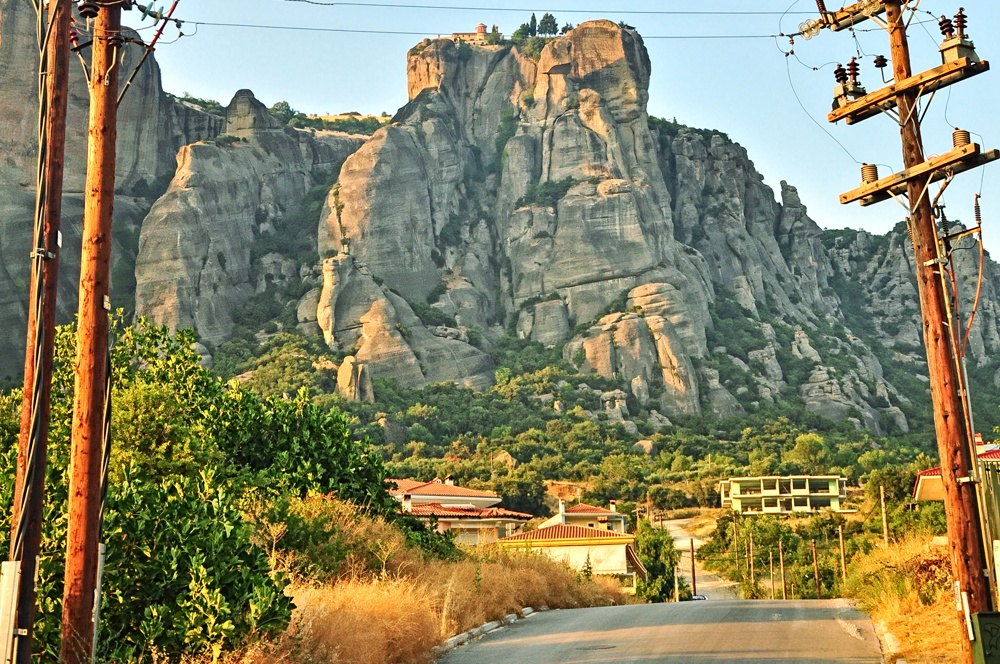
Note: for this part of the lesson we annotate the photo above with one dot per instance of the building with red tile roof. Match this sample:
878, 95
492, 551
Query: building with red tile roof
471, 514
928, 484
589, 516
605, 552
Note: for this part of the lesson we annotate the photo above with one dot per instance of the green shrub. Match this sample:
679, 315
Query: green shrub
546, 194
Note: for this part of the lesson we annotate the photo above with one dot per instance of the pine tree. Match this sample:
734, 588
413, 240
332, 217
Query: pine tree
533, 27
548, 25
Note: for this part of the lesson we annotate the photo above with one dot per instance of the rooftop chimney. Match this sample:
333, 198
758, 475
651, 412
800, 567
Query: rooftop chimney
614, 506
562, 506
407, 502
449, 480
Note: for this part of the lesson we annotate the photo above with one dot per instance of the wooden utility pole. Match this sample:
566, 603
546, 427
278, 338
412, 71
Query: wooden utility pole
694, 574
781, 562
951, 425
953, 437
770, 567
82, 555
885, 517
736, 542
33, 441
816, 570
753, 570
843, 554
677, 589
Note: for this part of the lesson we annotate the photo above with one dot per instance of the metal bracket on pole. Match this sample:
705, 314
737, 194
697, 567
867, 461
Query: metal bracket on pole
967, 480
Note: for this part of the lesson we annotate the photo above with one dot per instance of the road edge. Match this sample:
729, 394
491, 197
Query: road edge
460, 639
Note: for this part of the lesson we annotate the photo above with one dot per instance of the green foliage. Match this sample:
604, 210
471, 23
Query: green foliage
283, 111
432, 316
546, 194
366, 125
182, 576
548, 25
506, 130
655, 548
207, 105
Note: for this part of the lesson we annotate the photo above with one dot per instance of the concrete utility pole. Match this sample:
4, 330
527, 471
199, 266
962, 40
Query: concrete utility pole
753, 569
82, 557
29, 481
951, 423
770, 567
736, 541
843, 554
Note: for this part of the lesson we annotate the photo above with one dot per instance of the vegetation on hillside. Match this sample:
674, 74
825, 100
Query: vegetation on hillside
182, 574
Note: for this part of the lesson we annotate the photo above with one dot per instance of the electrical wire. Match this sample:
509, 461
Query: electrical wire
300, 28
795, 93
525, 10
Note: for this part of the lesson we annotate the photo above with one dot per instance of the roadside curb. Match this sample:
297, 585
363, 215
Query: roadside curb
890, 643
486, 628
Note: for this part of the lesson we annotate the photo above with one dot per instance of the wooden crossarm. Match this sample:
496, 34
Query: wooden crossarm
874, 103
848, 17
955, 161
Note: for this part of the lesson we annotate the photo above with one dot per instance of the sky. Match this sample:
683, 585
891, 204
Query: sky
719, 69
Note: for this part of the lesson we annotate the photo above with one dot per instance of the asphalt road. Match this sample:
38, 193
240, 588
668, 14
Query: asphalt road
731, 631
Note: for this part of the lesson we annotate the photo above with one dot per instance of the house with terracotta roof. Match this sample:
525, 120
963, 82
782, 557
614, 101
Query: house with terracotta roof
604, 552
471, 514
589, 516
928, 484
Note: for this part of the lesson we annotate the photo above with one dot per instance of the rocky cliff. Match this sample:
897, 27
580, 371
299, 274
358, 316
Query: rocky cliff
524, 193
152, 127
536, 194
203, 246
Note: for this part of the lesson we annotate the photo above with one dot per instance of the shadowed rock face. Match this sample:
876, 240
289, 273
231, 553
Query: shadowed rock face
195, 266
151, 128
538, 194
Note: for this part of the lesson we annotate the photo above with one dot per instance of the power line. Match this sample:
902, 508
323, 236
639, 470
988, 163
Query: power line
300, 28
525, 10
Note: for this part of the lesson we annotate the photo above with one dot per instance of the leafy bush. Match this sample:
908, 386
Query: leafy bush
182, 576
546, 194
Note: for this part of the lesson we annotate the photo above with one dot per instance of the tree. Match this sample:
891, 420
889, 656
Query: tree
548, 25
655, 549
533, 27
182, 576
283, 111
566, 28
523, 32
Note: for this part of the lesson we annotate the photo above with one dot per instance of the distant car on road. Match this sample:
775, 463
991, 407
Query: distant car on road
698, 597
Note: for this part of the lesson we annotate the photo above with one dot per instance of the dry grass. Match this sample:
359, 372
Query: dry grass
398, 620
906, 587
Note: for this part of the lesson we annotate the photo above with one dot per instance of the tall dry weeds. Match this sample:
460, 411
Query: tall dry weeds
907, 587
398, 620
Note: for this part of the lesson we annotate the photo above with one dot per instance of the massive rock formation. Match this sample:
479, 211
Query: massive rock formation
229, 195
152, 127
538, 194
513, 193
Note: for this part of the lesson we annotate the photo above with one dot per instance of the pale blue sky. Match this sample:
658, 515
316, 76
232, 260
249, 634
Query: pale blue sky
739, 86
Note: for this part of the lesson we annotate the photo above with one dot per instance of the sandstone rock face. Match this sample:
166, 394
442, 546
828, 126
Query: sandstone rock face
539, 195
196, 263
151, 128
508, 194
354, 381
